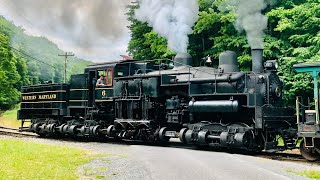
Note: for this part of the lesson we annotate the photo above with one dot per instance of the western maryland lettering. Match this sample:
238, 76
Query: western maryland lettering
47, 96
29, 98
39, 97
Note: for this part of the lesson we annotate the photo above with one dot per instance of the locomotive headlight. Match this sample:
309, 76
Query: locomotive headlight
277, 92
271, 65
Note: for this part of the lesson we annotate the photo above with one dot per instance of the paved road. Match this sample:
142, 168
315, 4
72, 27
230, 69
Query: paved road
177, 163
136, 162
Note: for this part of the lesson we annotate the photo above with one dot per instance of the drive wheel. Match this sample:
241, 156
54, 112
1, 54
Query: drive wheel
308, 153
182, 134
162, 135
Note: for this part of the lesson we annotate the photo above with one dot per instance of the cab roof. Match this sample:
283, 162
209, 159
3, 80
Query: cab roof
105, 65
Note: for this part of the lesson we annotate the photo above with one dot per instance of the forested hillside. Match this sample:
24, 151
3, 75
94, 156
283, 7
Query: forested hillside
292, 36
28, 60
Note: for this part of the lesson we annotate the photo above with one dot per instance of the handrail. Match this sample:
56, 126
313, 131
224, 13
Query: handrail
300, 109
191, 70
185, 65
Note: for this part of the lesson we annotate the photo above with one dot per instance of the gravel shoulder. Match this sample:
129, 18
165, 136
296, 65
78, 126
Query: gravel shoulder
130, 161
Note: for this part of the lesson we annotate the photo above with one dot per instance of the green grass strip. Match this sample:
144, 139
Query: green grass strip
313, 174
29, 160
9, 118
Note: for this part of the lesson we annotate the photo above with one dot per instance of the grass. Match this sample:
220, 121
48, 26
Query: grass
281, 142
9, 118
29, 160
313, 174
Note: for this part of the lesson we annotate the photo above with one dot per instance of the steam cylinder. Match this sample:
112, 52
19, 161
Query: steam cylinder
182, 59
257, 60
228, 62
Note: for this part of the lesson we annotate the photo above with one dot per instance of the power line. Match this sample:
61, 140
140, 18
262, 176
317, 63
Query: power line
27, 55
31, 24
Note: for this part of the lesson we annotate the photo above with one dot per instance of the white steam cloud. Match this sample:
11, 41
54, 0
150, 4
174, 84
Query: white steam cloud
90, 28
172, 19
249, 18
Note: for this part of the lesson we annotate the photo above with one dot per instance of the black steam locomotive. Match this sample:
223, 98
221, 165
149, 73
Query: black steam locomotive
152, 101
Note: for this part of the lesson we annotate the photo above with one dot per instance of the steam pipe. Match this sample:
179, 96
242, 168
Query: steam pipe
233, 78
257, 60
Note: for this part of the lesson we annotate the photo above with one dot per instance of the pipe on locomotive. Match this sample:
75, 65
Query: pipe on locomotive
257, 60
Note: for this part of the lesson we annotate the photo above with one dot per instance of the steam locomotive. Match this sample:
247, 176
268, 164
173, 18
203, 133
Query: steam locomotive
154, 101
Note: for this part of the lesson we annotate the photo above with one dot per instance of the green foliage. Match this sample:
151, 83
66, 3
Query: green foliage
22, 69
9, 118
34, 72
292, 36
145, 44
137, 47
18, 69
158, 45
9, 75
298, 27
313, 174
41, 49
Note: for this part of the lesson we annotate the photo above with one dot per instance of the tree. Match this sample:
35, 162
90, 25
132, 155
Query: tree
21, 67
34, 72
9, 75
58, 75
297, 25
292, 36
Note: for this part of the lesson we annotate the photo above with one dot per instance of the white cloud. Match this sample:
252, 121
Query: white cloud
94, 30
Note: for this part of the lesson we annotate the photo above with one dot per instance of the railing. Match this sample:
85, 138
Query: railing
300, 109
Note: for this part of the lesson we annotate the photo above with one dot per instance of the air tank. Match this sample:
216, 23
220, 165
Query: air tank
228, 62
182, 59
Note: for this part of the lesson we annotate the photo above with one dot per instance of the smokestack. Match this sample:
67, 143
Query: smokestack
257, 60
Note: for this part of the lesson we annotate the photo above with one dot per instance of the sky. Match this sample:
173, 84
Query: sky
95, 30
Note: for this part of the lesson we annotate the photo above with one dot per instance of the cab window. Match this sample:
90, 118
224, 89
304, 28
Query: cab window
104, 75
109, 77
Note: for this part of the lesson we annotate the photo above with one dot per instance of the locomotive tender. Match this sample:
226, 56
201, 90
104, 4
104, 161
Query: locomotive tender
206, 106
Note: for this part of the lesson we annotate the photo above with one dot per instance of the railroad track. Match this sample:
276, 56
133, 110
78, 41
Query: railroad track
279, 156
286, 156
13, 131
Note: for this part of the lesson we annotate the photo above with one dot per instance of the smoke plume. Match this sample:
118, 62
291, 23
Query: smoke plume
249, 18
83, 24
172, 19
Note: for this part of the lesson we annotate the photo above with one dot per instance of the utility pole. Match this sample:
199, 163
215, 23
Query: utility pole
66, 55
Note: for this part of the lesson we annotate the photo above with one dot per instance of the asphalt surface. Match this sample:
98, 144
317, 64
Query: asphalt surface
177, 163
134, 161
